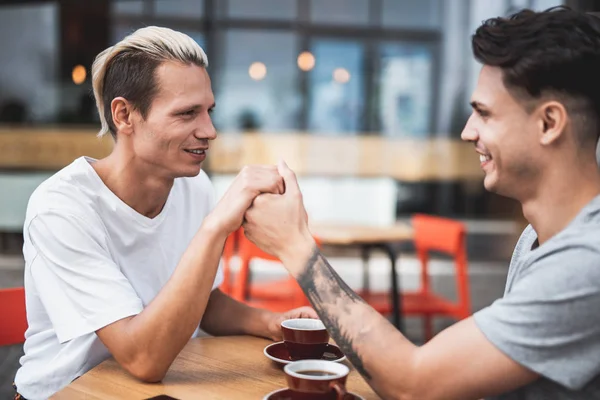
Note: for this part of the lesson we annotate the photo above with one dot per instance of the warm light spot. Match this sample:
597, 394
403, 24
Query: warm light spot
341, 75
79, 74
306, 61
257, 71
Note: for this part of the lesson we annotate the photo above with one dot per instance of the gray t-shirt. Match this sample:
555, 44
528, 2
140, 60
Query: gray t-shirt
549, 317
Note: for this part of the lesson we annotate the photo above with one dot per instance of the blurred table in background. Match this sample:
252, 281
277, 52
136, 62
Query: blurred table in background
369, 238
356, 235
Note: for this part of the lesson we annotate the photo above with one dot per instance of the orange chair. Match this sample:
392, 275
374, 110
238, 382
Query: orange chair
229, 251
13, 317
445, 236
278, 296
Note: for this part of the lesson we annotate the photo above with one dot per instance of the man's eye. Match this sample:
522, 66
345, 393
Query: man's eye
483, 114
188, 113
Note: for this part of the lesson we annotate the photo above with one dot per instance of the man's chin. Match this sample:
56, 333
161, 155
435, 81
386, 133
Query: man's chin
489, 183
492, 185
190, 172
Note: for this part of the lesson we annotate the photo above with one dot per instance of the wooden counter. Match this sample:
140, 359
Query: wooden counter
408, 160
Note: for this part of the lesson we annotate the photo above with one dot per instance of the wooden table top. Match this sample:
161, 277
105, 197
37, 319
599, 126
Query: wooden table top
334, 234
232, 367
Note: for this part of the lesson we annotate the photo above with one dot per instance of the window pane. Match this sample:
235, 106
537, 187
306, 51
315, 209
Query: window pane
127, 7
119, 31
336, 87
337, 12
179, 8
29, 76
262, 9
256, 86
405, 89
423, 14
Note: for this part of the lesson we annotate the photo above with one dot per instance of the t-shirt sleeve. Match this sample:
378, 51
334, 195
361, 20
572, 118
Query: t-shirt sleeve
548, 322
79, 284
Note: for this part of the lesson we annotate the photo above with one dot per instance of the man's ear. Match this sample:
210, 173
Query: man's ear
552, 121
122, 115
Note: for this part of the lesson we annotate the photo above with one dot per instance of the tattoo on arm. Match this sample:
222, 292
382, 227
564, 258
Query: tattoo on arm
327, 292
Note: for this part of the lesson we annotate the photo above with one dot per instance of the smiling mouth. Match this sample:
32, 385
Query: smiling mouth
484, 158
197, 151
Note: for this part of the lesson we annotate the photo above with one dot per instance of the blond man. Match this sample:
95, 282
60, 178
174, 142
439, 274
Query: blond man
122, 253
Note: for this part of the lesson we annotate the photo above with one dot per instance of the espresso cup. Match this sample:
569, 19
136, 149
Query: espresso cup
305, 338
316, 380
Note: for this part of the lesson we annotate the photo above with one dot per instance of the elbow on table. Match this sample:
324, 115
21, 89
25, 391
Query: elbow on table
146, 369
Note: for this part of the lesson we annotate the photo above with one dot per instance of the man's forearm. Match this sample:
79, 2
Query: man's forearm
226, 316
369, 341
148, 343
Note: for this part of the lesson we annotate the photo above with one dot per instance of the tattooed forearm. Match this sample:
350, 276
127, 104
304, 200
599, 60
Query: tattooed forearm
331, 296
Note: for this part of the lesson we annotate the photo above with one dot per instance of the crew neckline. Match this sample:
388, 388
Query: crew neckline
124, 207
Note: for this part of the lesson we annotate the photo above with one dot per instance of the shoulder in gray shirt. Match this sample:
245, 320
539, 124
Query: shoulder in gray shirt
549, 317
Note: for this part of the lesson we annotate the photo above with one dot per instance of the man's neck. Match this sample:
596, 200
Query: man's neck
145, 192
560, 198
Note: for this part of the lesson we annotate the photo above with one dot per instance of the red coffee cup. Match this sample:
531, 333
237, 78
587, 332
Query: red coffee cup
316, 380
305, 338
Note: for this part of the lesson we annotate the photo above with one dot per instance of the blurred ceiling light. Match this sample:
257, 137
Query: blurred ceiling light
257, 71
341, 75
306, 61
79, 74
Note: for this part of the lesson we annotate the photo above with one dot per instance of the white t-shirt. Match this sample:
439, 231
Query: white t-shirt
91, 260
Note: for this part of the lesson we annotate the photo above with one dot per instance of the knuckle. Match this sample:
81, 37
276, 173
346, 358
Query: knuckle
246, 172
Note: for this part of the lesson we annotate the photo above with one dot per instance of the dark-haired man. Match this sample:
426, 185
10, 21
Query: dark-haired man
535, 126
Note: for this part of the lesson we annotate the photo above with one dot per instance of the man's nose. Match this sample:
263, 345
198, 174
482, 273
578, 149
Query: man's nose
206, 130
469, 132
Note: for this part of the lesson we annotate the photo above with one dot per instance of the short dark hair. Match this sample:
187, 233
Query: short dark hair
553, 53
130, 75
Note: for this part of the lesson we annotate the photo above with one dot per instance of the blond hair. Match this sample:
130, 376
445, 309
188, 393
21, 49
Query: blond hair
146, 48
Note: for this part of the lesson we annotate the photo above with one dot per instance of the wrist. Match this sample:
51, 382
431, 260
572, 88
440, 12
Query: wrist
261, 323
268, 321
212, 227
297, 253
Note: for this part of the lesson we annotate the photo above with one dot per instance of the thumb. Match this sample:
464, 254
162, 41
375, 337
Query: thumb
289, 177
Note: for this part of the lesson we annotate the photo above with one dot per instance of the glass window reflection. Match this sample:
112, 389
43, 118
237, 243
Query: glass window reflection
340, 12
128, 7
405, 89
262, 9
421, 14
336, 87
256, 83
179, 8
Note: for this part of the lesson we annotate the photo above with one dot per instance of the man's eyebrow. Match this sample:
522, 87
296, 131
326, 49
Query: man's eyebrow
187, 107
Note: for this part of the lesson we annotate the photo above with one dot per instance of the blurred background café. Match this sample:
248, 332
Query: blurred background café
365, 100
